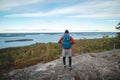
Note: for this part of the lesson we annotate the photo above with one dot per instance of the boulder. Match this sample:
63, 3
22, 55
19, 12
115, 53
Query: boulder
90, 66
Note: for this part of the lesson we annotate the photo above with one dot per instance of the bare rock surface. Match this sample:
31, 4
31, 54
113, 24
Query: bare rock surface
90, 66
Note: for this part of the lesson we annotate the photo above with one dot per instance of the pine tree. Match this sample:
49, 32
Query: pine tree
118, 26
118, 35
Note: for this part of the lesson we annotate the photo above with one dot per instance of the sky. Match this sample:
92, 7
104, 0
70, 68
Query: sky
59, 15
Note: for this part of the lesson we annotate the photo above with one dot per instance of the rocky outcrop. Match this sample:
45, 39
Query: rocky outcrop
91, 66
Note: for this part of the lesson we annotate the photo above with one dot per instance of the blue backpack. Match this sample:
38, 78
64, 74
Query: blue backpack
66, 41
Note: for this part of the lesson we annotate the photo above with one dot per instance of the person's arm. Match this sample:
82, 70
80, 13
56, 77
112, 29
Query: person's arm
72, 40
60, 40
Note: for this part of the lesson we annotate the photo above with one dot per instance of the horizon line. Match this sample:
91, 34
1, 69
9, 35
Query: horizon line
59, 32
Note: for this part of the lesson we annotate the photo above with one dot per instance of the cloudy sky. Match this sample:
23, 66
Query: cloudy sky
58, 15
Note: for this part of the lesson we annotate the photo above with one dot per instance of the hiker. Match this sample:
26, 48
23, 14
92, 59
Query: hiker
66, 41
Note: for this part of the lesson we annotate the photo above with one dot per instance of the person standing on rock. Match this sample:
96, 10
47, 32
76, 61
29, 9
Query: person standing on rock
66, 41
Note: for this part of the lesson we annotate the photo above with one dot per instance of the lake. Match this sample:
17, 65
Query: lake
23, 39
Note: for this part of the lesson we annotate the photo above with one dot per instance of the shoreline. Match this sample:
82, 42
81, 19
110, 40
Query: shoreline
27, 40
12, 39
19, 40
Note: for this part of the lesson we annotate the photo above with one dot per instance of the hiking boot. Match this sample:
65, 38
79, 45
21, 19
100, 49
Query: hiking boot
70, 68
65, 66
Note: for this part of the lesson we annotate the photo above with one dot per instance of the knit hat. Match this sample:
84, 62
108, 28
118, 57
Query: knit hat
66, 31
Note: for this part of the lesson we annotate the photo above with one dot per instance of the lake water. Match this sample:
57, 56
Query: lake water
45, 37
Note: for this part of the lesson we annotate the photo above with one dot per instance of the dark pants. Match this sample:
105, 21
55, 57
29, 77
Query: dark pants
70, 61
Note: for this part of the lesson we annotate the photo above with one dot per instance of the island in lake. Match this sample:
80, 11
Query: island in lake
19, 40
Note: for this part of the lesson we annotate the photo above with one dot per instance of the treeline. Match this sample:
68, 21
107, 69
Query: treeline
20, 57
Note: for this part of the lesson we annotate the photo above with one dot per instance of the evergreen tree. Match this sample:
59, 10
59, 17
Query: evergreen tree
118, 35
118, 26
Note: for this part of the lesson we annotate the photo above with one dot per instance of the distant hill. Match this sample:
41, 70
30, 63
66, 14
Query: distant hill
90, 66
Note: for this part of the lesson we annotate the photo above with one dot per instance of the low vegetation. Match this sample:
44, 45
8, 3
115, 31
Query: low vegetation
20, 57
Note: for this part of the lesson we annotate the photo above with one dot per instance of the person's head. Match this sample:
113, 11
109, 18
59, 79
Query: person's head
66, 31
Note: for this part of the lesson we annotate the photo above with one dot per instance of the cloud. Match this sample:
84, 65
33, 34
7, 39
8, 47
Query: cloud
88, 9
102, 15
98, 9
10, 4
29, 30
57, 11
42, 14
